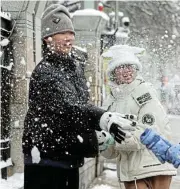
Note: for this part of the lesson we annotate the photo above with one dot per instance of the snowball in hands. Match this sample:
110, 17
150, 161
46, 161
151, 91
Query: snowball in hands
118, 126
113, 117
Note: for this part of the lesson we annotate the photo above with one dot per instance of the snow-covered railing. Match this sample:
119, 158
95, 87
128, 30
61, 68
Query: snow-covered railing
5, 161
5, 15
7, 24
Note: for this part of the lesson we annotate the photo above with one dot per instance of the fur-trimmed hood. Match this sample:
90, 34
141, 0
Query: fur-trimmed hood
121, 55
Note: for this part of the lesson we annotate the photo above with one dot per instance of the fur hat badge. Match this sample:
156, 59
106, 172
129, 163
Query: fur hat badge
56, 19
123, 54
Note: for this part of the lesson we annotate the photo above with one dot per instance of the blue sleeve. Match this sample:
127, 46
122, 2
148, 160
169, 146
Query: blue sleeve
156, 143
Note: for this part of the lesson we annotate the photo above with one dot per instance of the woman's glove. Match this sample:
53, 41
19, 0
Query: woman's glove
117, 125
173, 155
104, 140
157, 144
163, 150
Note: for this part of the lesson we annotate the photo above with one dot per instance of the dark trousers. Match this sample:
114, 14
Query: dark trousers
44, 177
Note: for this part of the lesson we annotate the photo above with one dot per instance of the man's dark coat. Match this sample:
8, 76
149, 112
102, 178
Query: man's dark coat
60, 122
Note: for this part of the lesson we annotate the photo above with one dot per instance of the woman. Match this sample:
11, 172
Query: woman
137, 167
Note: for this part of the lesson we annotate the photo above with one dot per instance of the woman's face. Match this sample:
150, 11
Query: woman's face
61, 43
124, 74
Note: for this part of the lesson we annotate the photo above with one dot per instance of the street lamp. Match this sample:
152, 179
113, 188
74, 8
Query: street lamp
113, 34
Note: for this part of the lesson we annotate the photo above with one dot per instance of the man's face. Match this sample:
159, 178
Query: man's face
124, 74
61, 43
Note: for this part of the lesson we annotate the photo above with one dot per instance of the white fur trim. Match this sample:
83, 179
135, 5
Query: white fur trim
121, 55
124, 59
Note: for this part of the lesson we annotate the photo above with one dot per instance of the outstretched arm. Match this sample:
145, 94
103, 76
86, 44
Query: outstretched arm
163, 149
61, 100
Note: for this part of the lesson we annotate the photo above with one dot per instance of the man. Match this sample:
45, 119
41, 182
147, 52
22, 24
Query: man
137, 167
59, 128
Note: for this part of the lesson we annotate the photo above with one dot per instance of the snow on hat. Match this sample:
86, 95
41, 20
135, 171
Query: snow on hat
56, 19
121, 55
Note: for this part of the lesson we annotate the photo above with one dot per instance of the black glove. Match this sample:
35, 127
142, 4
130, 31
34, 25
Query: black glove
118, 134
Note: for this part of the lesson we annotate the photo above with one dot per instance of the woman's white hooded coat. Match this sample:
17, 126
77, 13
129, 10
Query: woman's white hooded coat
134, 161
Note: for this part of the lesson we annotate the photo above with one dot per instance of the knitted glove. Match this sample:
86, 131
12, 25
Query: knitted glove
104, 140
157, 144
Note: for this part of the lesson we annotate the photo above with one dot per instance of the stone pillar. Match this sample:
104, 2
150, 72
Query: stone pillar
23, 61
39, 10
88, 32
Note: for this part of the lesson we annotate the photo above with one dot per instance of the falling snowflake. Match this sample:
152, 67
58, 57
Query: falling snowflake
80, 138
23, 62
173, 36
90, 79
44, 125
1, 53
16, 123
35, 155
4, 42
49, 38
88, 84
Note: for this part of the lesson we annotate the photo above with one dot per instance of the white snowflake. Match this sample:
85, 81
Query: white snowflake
49, 38
88, 84
35, 155
16, 123
173, 36
90, 79
44, 125
4, 42
80, 138
23, 62
1, 53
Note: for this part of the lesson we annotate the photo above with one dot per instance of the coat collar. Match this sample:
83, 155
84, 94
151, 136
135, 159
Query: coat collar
121, 91
63, 61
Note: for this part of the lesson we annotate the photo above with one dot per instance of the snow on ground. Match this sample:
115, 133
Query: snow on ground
13, 182
102, 186
91, 12
110, 174
107, 180
111, 166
